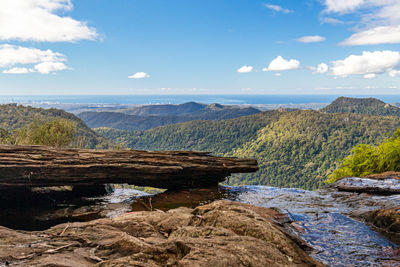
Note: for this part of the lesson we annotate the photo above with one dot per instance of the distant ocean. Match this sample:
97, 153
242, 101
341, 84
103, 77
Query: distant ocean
179, 99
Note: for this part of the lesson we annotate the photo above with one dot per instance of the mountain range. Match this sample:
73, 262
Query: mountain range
294, 148
152, 116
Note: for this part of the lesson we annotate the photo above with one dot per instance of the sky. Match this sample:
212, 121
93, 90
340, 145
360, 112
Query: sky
199, 47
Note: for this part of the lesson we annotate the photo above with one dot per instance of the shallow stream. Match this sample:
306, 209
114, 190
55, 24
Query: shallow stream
324, 218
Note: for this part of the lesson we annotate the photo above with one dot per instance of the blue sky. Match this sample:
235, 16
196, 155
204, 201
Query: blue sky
199, 47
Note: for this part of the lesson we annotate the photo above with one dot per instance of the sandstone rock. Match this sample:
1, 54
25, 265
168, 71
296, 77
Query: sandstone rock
39, 166
222, 233
386, 185
387, 220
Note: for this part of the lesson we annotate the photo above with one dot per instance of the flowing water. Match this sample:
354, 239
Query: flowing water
324, 218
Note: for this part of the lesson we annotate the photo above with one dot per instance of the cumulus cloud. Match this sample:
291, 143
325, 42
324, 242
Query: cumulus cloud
379, 24
281, 64
278, 8
321, 68
139, 75
367, 64
245, 69
11, 55
44, 61
311, 39
48, 67
38, 20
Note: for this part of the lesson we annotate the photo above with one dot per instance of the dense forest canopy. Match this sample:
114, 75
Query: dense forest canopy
294, 149
371, 106
148, 117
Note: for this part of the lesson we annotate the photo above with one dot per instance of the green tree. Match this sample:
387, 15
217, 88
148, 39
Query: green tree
57, 132
6, 137
366, 159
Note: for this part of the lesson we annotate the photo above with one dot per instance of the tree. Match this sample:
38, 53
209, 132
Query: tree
366, 159
57, 132
6, 137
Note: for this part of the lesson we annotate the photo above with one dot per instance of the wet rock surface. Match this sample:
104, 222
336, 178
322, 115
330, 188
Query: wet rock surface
222, 233
342, 228
331, 222
387, 220
388, 185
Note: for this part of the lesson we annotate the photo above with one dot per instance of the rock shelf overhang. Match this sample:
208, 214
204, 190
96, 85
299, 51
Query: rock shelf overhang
39, 166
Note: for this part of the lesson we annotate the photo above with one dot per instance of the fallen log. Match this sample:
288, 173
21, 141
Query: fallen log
39, 166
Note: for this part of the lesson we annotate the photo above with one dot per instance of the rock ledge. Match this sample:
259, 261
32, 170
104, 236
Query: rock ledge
222, 233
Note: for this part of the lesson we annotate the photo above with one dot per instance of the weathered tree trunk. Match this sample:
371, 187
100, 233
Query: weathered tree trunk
39, 166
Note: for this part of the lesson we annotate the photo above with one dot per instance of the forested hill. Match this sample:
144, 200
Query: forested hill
159, 115
166, 110
14, 116
294, 149
370, 106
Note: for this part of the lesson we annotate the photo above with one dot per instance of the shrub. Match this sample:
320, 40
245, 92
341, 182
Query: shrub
58, 132
6, 137
366, 159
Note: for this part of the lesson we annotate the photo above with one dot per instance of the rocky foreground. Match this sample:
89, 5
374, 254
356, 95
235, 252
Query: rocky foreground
222, 233
385, 219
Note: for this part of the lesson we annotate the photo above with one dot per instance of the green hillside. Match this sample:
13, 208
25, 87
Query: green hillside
14, 116
370, 106
159, 115
219, 137
294, 149
166, 110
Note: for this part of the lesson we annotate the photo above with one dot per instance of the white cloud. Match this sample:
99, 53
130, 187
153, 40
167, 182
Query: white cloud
311, 39
48, 67
377, 35
139, 75
370, 76
281, 64
277, 74
343, 6
379, 23
37, 20
45, 61
278, 8
18, 71
332, 21
321, 68
11, 55
368, 63
394, 73
245, 69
